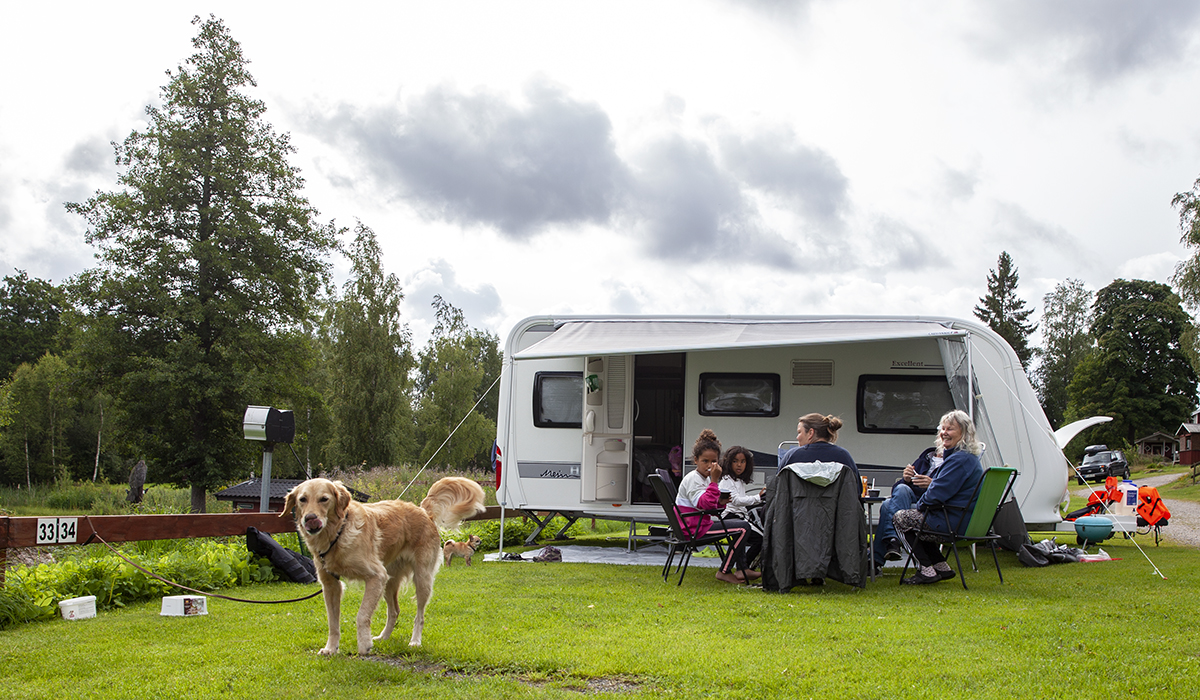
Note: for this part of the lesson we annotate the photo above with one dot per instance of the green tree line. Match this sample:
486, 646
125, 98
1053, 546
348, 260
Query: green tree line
1127, 351
213, 291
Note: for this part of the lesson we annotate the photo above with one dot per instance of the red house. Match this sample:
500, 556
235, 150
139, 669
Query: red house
1189, 441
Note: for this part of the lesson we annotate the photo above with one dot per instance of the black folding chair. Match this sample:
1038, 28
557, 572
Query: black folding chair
679, 540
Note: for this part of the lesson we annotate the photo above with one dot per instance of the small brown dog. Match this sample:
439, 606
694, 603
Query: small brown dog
462, 549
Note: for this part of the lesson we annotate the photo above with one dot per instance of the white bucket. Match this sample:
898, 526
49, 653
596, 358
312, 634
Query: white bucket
78, 608
184, 605
1129, 495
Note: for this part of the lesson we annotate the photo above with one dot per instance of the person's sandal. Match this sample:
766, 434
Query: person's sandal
920, 578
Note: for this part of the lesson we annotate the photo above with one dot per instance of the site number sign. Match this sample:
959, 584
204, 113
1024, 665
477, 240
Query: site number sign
57, 530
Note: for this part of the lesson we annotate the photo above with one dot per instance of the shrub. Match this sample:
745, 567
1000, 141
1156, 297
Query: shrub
32, 593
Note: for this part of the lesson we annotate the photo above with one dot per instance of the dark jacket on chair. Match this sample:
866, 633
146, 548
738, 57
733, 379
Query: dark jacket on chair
812, 531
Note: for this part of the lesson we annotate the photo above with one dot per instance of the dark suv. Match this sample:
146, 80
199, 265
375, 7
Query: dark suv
1100, 462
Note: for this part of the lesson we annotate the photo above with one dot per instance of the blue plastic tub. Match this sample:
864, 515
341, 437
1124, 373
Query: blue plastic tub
1093, 528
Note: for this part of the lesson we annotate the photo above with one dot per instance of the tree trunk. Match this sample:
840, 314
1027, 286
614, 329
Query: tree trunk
198, 497
96, 469
53, 462
28, 480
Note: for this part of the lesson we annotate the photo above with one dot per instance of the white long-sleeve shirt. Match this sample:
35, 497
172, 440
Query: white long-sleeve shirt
738, 500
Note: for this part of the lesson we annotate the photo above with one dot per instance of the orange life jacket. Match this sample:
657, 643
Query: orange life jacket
1110, 494
1151, 508
1112, 489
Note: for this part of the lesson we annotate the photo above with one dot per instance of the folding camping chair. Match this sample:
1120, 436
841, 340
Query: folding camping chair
991, 493
679, 540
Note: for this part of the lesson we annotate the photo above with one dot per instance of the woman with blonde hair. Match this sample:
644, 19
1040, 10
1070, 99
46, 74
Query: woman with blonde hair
951, 484
956, 431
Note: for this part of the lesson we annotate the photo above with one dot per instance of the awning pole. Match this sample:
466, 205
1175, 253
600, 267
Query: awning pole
970, 379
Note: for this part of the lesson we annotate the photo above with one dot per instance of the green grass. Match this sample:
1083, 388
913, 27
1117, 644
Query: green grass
552, 630
85, 497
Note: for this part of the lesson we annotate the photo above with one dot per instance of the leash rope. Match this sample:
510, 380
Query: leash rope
96, 536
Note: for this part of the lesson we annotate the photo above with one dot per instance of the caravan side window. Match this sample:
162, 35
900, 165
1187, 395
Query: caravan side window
558, 400
739, 394
906, 405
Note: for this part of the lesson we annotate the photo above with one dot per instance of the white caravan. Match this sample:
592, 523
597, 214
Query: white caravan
589, 405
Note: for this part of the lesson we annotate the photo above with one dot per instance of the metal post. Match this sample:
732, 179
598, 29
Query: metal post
264, 499
970, 379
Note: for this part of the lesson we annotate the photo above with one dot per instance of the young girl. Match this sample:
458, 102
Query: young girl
737, 467
699, 490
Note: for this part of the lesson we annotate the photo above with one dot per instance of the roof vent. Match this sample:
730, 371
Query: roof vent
812, 372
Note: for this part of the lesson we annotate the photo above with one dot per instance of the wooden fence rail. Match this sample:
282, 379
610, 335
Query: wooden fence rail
56, 531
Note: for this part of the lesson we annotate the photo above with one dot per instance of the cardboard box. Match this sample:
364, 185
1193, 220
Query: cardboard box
184, 605
78, 608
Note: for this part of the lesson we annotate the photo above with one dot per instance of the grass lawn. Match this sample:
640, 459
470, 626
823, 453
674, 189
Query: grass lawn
559, 630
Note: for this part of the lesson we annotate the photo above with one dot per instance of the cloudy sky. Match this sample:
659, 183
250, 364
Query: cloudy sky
713, 157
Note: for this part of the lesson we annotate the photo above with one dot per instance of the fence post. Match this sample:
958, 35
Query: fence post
3, 548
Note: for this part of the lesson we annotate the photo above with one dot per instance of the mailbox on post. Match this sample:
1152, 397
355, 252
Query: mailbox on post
269, 425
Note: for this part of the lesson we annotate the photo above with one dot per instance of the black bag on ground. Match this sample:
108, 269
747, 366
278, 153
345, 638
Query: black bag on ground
294, 566
1010, 525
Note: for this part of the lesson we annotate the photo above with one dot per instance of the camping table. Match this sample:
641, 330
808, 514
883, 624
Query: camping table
869, 503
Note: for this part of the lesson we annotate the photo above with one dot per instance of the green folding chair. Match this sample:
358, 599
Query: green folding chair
991, 493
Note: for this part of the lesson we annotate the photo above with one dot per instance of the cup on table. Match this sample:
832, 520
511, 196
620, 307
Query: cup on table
872, 493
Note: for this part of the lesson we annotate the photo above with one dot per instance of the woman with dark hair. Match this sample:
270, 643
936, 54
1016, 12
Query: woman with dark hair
816, 434
699, 490
737, 466
952, 484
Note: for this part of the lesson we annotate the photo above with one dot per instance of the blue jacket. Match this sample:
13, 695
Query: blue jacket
953, 485
922, 464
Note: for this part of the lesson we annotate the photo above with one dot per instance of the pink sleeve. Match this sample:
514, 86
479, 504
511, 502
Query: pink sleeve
710, 498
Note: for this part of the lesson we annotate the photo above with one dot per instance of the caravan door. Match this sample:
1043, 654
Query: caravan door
607, 429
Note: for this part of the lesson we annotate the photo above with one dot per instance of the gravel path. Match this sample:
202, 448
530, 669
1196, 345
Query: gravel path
1184, 527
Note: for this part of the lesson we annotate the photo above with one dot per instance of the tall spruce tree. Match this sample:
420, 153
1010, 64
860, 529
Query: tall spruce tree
1004, 312
1066, 340
210, 260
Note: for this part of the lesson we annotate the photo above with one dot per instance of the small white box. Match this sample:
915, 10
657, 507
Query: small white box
78, 608
184, 605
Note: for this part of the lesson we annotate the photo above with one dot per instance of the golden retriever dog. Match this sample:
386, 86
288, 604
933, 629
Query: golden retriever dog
383, 544
462, 549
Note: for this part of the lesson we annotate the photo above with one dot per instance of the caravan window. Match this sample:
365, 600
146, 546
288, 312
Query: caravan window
912, 405
558, 400
739, 394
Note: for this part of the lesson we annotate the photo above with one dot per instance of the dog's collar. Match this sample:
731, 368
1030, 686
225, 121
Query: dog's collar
333, 543
469, 546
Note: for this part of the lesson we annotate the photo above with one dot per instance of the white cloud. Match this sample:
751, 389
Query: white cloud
1155, 267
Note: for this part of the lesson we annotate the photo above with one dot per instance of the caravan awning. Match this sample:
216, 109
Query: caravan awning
620, 337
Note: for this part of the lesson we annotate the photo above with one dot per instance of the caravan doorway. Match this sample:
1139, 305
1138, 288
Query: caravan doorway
657, 419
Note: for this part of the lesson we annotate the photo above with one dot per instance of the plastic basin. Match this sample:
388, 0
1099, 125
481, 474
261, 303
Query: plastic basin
1093, 528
